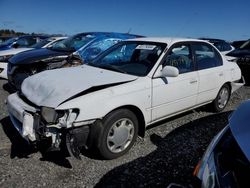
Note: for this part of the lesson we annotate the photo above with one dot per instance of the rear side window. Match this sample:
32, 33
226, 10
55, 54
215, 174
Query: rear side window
206, 56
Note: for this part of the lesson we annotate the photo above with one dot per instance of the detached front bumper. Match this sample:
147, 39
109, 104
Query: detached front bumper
30, 124
23, 116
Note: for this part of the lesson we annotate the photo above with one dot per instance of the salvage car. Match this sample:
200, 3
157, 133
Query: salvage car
242, 56
6, 54
109, 102
21, 41
226, 162
84, 46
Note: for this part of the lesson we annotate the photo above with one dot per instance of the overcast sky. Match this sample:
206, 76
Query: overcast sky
228, 20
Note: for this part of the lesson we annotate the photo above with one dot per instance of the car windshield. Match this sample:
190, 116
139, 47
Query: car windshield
73, 43
130, 57
246, 45
8, 42
40, 44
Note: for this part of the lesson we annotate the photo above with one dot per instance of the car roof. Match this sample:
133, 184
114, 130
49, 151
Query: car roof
213, 40
167, 40
108, 34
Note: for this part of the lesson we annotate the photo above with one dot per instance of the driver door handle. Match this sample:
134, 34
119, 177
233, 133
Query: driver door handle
193, 81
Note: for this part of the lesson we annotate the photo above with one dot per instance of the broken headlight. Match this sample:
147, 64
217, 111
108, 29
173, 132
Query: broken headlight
69, 117
50, 115
55, 65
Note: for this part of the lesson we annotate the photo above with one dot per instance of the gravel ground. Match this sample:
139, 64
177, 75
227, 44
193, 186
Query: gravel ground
168, 153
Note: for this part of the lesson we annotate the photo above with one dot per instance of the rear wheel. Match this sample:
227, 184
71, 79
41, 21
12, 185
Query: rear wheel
222, 98
120, 130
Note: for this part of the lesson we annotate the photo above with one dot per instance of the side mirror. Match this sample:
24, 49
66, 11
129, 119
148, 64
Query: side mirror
167, 71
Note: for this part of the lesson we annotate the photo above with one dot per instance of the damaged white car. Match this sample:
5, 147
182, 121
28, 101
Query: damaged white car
109, 102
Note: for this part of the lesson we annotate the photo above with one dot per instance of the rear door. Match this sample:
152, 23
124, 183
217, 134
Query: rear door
209, 66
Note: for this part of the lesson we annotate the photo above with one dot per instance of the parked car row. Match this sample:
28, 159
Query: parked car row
5, 55
102, 90
70, 52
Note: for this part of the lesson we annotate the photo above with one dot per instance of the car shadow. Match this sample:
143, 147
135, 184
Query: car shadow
8, 88
174, 159
20, 148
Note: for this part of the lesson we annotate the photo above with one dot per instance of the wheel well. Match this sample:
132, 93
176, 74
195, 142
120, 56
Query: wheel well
229, 85
140, 117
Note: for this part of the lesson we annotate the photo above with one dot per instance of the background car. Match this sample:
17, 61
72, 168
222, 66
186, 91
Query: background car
242, 56
3, 38
88, 45
21, 41
108, 102
226, 162
6, 54
238, 43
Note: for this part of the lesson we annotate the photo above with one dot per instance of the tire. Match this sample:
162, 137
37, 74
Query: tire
221, 99
120, 130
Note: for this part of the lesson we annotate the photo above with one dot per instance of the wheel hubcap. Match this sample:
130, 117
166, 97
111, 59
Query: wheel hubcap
223, 98
120, 135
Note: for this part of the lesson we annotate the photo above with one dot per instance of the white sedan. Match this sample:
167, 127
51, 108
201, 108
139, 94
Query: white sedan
107, 103
6, 54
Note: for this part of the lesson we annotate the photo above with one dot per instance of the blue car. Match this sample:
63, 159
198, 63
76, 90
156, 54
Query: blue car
226, 163
76, 50
22, 41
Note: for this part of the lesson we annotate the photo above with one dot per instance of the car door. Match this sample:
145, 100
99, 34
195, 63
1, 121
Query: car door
209, 67
171, 95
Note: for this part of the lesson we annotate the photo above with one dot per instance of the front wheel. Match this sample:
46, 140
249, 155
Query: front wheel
120, 130
222, 98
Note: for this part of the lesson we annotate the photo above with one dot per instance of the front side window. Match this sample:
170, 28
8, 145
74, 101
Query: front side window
134, 57
206, 56
180, 56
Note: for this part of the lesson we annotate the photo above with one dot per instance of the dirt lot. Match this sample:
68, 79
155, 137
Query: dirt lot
168, 153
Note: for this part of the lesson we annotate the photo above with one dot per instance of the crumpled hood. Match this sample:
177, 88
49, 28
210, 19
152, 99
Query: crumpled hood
240, 126
31, 56
51, 88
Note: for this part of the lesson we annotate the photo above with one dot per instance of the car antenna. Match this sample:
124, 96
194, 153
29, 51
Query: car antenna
129, 30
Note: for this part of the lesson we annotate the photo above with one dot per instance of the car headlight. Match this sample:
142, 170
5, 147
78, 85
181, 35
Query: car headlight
64, 117
208, 177
50, 115
5, 58
206, 169
55, 65
68, 118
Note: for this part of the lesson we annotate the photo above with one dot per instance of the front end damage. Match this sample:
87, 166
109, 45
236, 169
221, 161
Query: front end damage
37, 124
